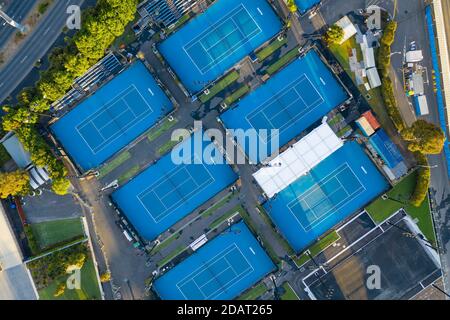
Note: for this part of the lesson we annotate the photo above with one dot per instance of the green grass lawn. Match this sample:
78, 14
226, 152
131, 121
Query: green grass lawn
156, 132
171, 256
381, 209
284, 60
114, 163
166, 242
220, 86
317, 248
254, 292
89, 286
236, 95
51, 233
238, 209
270, 49
289, 293
210, 211
129, 174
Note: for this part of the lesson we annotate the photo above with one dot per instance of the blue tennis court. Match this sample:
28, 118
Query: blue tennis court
305, 5
338, 187
216, 40
166, 193
221, 270
291, 101
112, 117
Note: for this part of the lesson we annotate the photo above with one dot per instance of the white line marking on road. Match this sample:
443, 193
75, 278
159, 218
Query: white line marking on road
23, 60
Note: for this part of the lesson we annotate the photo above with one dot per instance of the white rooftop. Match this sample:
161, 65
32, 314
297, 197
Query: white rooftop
298, 160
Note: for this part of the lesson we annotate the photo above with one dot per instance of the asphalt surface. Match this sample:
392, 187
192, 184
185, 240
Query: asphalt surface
35, 47
17, 10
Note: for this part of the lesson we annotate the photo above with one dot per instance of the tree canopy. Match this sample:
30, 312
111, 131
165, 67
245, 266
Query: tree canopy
14, 183
334, 35
100, 27
424, 137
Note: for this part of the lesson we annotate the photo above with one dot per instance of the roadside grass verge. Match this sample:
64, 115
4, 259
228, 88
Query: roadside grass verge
225, 82
114, 163
284, 60
236, 95
289, 293
156, 132
254, 293
268, 50
171, 256
317, 248
129, 174
219, 221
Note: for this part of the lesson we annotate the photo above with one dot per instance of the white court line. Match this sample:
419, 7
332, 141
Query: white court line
151, 188
118, 134
191, 277
354, 194
283, 91
212, 29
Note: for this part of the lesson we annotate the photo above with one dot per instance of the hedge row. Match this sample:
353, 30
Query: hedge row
101, 26
423, 181
387, 92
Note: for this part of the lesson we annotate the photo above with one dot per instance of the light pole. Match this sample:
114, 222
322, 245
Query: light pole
11, 22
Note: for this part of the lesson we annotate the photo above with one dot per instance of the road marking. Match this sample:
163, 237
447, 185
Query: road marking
23, 60
46, 31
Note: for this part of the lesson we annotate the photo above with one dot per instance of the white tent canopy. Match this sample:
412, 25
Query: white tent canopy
298, 160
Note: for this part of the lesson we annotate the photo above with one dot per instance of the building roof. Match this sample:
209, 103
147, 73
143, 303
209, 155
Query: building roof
368, 55
372, 120
365, 126
386, 149
298, 160
374, 77
348, 27
16, 150
414, 56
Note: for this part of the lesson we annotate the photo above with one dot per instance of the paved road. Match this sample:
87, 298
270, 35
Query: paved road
441, 184
35, 47
17, 10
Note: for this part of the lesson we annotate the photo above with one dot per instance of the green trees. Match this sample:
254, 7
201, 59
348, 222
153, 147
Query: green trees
334, 35
387, 92
384, 53
14, 183
291, 6
101, 25
424, 137
423, 181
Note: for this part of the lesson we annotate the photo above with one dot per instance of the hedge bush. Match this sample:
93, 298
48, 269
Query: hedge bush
423, 181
